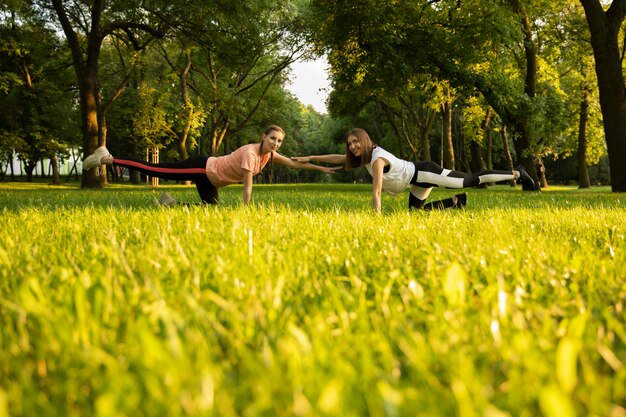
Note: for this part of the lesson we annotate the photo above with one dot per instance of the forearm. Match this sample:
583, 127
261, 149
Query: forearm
247, 193
377, 183
306, 165
376, 206
330, 158
247, 187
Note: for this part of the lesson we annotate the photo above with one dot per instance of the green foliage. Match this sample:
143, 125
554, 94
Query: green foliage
37, 116
388, 60
306, 303
378, 48
150, 126
473, 116
238, 53
566, 44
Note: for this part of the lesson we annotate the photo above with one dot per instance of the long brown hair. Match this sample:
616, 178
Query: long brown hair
270, 129
367, 145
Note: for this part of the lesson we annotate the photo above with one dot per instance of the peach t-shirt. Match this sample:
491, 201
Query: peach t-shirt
229, 169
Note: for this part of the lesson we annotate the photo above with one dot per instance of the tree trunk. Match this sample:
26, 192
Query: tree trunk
425, 117
70, 172
56, 176
104, 177
182, 141
476, 161
447, 147
219, 128
86, 68
540, 168
89, 114
12, 157
489, 152
29, 168
135, 176
519, 119
425, 143
583, 173
85, 61
521, 124
460, 157
507, 153
402, 134
102, 123
408, 136
604, 28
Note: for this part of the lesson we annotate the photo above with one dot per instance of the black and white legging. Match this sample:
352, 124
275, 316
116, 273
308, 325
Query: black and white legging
428, 174
191, 169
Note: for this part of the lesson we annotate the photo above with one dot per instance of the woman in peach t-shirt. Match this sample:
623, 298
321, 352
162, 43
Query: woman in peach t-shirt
211, 173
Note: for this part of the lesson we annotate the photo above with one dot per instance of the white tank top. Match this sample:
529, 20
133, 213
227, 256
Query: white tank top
400, 171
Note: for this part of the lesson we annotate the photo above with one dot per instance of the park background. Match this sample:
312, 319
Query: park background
305, 302
470, 85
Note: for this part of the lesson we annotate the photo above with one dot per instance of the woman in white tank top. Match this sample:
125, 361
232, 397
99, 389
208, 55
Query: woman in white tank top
394, 175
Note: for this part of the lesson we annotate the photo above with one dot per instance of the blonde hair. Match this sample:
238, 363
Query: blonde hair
367, 145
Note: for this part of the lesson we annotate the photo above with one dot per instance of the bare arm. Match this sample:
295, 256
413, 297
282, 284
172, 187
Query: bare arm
296, 164
247, 186
335, 158
377, 183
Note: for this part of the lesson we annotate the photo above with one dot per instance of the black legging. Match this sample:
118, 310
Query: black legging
191, 169
428, 174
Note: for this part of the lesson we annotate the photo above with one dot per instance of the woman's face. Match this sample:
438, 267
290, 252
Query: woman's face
272, 141
354, 145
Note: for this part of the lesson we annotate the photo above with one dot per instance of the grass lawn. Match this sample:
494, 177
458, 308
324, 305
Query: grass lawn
306, 303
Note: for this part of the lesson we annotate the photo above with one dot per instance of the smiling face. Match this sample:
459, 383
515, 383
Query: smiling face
354, 145
358, 148
272, 140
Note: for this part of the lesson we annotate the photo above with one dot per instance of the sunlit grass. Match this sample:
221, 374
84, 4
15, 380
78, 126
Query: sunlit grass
307, 303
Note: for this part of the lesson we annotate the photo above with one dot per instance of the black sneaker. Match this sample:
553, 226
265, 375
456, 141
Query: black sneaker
461, 201
525, 179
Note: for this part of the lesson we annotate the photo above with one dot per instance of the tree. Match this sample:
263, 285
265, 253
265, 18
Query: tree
243, 69
190, 116
567, 44
37, 120
483, 45
235, 53
213, 82
447, 149
86, 25
605, 29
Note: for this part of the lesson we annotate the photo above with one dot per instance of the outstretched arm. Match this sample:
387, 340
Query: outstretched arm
296, 164
335, 158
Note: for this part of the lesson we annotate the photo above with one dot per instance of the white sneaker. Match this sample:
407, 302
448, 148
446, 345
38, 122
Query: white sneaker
94, 159
166, 200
